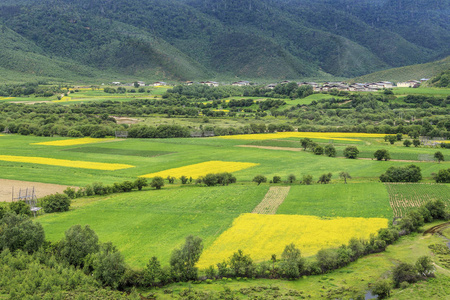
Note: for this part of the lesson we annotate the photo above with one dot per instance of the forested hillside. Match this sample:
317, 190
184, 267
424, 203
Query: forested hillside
226, 39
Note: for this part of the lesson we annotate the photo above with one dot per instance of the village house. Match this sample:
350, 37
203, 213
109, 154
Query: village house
241, 83
159, 83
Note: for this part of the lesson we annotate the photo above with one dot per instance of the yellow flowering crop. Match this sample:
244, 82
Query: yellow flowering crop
73, 142
343, 136
5, 98
201, 169
260, 236
65, 163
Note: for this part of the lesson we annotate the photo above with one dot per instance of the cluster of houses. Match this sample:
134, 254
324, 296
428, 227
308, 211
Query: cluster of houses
342, 86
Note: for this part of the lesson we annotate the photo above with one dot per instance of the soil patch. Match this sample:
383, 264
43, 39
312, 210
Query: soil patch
41, 189
125, 120
272, 200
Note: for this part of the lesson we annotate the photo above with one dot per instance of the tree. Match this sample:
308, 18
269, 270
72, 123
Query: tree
443, 176
136, 84
210, 179
424, 265
404, 272
351, 152
184, 179
140, 183
307, 179
241, 264
225, 178
407, 143
392, 139
345, 176
330, 151
77, 243
439, 156
55, 203
416, 143
318, 150
292, 262
399, 136
381, 154
152, 271
183, 260
291, 178
18, 232
305, 143
157, 182
276, 179
109, 266
382, 288
409, 173
20, 208
325, 178
259, 179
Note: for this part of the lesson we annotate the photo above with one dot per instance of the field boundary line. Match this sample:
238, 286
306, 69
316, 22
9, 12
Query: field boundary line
272, 200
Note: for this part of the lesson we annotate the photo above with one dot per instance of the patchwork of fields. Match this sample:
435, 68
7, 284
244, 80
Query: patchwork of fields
153, 223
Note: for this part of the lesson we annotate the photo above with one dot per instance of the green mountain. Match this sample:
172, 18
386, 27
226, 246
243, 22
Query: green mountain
414, 72
225, 39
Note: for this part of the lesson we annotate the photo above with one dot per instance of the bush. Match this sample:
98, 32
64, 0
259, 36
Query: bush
210, 179
407, 143
77, 244
382, 288
259, 179
318, 150
55, 203
140, 183
18, 232
409, 173
325, 178
330, 151
225, 178
276, 179
20, 208
157, 182
382, 154
70, 192
351, 152
416, 143
307, 179
404, 272
443, 176
184, 179
291, 178
241, 265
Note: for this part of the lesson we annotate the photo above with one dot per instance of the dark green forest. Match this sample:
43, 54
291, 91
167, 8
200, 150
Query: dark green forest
204, 39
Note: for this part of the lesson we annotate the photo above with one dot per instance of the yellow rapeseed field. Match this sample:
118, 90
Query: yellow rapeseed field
5, 98
201, 169
65, 163
73, 142
264, 235
343, 136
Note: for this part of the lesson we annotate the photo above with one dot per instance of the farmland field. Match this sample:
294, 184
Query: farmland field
404, 196
264, 235
153, 223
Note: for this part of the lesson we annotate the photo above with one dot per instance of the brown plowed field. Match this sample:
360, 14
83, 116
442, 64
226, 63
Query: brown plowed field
41, 189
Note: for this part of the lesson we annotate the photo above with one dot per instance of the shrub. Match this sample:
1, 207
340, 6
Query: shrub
325, 178
184, 179
276, 179
18, 232
225, 178
382, 288
55, 203
259, 179
210, 179
424, 265
241, 264
183, 260
382, 154
409, 173
157, 182
404, 272
318, 150
351, 152
407, 143
140, 183
127, 186
291, 178
70, 192
98, 188
77, 244
416, 142
439, 156
307, 179
443, 176
88, 190
20, 208
330, 151
436, 209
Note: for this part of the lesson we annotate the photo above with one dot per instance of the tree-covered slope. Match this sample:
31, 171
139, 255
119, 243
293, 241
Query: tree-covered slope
201, 39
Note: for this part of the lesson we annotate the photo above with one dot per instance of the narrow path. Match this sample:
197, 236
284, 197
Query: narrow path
272, 200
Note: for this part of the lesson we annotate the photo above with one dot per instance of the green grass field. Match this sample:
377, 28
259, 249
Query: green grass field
153, 223
368, 200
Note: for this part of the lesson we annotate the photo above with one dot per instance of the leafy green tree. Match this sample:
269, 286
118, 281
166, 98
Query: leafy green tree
436, 209
20, 208
399, 136
276, 179
210, 179
404, 272
157, 182
382, 288
381, 154
291, 178
184, 179
307, 179
392, 139
416, 143
292, 263
241, 264
18, 232
152, 272
183, 260
70, 192
109, 266
325, 178
140, 183
407, 143
305, 143
225, 178
351, 152
78, 243
409, 173
439, 156
425, 267
345, 176
318, 150
330, 151
55, 203
443, 176
259, 179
